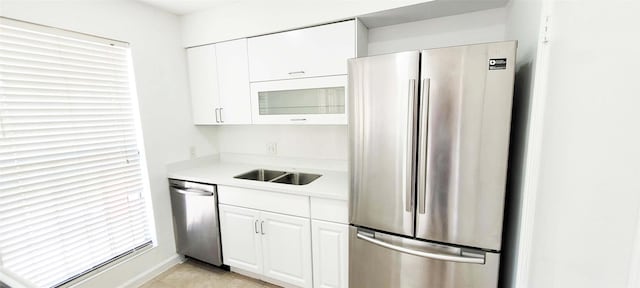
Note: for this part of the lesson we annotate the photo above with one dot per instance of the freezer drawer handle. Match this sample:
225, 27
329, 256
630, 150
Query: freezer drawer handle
193, 192
444, 257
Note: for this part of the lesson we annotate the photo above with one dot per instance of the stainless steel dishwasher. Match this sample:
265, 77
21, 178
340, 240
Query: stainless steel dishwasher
195, 220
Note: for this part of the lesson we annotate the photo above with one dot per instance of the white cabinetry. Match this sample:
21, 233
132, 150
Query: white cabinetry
286, 244
241, 240
233, 80
300, 76
272, 245
203, 84
318, 100
330, 254
311, 52
219, 83
258, 239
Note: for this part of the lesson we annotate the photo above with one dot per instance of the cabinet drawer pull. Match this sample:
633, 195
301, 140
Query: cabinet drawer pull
262, 228
298, 119
296, 72
255, 226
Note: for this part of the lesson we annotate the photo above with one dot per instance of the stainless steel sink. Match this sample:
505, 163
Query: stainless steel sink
261, 175
297, 178
282, 177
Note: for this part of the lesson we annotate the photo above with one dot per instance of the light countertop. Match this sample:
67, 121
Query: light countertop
331, 185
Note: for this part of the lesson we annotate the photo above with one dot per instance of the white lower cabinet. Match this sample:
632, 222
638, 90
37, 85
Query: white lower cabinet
330, 254
286, 248
241, 241
273, 245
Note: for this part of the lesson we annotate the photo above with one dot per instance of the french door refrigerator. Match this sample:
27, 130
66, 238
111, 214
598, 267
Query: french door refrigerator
429, 136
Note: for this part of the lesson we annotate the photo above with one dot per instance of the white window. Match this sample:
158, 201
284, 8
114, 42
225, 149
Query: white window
73, 183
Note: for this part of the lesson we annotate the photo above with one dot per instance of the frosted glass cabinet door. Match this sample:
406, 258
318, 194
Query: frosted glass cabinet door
320, 100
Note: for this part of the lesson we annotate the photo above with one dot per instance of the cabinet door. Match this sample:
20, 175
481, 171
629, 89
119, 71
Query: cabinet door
318, 100
203, 83
286, 246
233, 81
330, 254
241, 246
310, 52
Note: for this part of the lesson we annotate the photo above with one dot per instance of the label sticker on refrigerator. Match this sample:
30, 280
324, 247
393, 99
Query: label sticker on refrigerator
498, 64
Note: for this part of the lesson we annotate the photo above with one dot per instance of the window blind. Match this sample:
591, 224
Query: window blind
71, 178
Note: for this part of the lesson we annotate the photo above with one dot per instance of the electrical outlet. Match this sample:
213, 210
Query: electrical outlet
192, 152
272, 148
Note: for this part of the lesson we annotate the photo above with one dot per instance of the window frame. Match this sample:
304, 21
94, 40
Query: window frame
10, 277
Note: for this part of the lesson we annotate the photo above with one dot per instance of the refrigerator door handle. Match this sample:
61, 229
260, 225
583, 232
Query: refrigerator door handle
472, 258
422, 145
408, 173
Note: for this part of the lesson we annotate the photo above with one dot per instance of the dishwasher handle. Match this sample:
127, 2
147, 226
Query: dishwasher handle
192, 192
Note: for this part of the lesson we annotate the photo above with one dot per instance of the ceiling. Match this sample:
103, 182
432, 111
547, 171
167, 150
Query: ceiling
182, 7
421, 9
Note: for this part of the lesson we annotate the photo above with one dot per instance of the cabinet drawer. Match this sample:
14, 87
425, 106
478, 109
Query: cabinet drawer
330, 210
311, 52
264, 200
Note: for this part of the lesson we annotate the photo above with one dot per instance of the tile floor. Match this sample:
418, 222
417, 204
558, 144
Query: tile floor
194, 274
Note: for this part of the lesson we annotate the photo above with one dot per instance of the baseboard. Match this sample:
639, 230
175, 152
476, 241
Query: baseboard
263, 278
152, 272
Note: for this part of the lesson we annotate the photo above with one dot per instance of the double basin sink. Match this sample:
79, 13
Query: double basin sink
275, 176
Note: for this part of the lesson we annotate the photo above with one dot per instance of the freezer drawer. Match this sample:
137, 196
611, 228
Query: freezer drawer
195, 221
382, 260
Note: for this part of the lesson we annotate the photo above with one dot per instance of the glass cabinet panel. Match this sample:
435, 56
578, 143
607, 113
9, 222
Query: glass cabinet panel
325, 100
313, 100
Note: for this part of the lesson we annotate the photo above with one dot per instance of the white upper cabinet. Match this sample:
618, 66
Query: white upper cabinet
203, 82
311, 52
292, 77
233, 80
219, 83
317, 100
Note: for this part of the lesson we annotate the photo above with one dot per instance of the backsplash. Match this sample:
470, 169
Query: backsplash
327, 142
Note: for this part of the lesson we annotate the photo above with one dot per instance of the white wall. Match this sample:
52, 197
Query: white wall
249, 18
469, 28
160, 71
326, 142
589, 190
522, 24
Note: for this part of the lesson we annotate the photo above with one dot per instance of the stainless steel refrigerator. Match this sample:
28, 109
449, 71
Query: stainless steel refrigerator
429, 136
